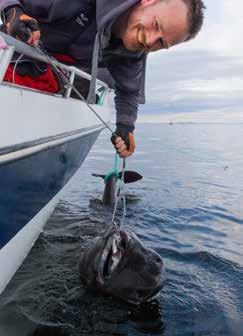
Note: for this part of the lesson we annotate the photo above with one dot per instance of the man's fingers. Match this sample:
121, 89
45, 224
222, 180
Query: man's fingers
119, 143
122, 148
34, 37
123, 140
118, 139
132, 143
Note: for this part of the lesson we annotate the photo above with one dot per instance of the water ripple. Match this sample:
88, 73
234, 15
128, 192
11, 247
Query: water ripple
189, 209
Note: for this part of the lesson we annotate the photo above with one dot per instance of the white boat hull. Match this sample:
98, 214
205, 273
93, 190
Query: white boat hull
44, 139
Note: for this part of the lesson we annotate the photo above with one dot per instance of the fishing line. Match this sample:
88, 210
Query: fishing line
51, 60
15, 67
118, 197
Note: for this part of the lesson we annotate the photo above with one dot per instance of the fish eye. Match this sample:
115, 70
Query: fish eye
124, 240
143, 292
123, 243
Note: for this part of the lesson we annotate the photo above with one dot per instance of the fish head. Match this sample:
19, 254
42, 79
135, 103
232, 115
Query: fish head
123, 267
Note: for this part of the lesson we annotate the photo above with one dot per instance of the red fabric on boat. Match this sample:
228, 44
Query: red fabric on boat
45, 82
64, 58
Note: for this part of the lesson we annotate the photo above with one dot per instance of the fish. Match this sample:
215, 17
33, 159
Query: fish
119, 265
109, 194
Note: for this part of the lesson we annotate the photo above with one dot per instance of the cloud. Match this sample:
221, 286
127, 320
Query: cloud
195, 76
203, 75
222, 29
209, 116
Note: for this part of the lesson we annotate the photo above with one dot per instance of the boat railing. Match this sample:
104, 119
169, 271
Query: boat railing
22, 48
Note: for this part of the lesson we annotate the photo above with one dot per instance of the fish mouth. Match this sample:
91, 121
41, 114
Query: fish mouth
112, 255
146, 294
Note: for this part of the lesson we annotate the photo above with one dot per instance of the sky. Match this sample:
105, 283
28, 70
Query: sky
200, 80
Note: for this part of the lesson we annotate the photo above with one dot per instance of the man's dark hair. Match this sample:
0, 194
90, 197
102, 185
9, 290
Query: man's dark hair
196, 16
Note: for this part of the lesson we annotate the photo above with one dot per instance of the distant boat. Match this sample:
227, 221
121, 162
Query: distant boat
171, 123
44, 138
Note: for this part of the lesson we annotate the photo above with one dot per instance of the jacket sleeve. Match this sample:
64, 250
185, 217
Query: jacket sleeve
128, 76
48, 10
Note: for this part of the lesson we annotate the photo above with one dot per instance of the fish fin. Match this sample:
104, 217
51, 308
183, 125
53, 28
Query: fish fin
98, 175
130, 176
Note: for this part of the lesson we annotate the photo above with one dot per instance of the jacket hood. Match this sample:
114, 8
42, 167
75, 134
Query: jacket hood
107, 11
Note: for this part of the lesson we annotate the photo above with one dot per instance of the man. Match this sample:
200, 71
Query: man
112, 34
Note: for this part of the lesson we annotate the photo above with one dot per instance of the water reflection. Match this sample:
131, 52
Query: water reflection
189, 210
147, 318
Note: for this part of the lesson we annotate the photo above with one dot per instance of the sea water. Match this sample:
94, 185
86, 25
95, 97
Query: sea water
188, 208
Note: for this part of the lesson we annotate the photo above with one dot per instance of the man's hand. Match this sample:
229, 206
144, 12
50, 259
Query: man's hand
21, 26
125, 141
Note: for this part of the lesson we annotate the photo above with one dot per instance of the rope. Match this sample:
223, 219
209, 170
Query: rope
118, 198
15, 67
116, 164
52, 60
114, 171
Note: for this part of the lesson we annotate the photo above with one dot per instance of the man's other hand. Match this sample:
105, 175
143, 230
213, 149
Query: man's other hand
124, 142
21, 26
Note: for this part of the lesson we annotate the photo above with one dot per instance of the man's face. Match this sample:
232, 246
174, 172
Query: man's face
154, 24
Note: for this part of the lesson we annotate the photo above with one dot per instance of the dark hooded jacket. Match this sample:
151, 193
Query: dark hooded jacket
82, 29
